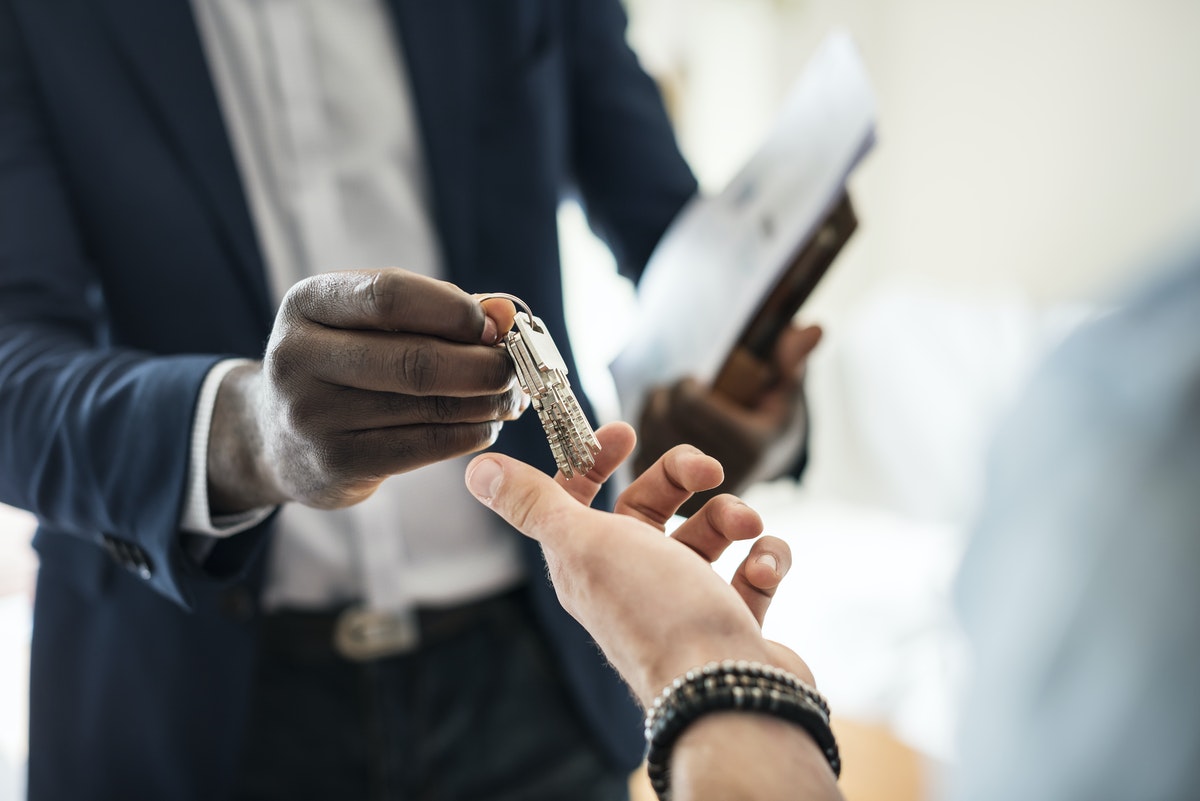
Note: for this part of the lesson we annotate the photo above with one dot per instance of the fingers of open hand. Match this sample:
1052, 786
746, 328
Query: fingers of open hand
616, 443
721, 521
391, 299
758, 576
655, 495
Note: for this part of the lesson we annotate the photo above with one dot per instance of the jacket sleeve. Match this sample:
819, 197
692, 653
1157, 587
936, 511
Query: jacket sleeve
93, 438
626, 162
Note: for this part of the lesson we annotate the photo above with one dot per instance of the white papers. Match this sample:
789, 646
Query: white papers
723, 254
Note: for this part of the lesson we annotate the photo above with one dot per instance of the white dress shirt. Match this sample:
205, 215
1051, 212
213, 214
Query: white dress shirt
317, 104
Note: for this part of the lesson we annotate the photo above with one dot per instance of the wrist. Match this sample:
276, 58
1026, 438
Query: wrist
700, 650
738, 687
239, 478
749, 756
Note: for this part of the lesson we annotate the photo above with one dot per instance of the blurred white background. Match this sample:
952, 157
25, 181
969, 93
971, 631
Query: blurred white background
1032, 154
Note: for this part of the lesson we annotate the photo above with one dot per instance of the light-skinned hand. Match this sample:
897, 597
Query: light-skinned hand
652, 602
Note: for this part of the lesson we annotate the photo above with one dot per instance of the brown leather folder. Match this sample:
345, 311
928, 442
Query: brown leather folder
748, 371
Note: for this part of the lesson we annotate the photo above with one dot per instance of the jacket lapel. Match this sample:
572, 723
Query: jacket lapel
439, 39
164, 55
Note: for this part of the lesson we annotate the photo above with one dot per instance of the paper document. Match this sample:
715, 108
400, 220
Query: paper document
724, 253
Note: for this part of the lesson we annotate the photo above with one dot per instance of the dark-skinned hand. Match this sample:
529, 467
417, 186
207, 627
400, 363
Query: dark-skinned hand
739, 437
366, 374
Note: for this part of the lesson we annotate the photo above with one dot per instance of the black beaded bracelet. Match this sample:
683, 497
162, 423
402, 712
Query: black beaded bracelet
732, 685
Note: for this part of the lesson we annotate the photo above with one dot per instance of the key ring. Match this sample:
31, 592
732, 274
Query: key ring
542, 373
517, 301
506, 296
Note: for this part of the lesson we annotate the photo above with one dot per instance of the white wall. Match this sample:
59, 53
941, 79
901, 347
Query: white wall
1037, 144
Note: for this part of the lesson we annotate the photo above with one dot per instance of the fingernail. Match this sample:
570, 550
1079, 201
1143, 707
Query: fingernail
484, 479
490, 332
770, 561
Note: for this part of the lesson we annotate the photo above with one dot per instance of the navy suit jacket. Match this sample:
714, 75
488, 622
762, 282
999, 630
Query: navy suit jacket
129, 266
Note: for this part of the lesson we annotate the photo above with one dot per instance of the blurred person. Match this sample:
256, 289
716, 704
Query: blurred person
232, 601
1078, 590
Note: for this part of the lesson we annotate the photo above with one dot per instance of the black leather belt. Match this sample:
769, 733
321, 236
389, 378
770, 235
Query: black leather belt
360, 634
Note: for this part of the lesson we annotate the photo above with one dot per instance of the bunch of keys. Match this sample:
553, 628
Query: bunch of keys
542, 373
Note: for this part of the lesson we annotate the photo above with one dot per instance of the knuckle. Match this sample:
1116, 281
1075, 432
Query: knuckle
718, 514
384, 294
299, 296
290, 356
419, 365
280, 360
672, 473
649, 511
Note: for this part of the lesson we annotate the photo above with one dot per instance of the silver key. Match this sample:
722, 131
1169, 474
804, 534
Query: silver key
542, 373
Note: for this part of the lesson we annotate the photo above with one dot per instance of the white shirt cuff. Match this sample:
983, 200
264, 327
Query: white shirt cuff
197, 518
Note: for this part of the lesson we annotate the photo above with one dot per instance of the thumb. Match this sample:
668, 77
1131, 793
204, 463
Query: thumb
528, 499
794, 347
501, 312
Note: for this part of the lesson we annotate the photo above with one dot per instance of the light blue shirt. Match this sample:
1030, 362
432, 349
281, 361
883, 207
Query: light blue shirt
1080, 591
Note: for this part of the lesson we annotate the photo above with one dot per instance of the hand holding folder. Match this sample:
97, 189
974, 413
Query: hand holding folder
733, 269
748, 370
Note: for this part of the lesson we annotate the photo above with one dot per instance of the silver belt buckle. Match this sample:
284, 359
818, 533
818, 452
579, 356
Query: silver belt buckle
363, 634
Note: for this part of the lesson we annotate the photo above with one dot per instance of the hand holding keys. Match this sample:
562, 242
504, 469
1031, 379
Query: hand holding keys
542, 373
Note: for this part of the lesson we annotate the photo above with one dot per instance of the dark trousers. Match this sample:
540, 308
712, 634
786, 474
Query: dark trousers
477, 713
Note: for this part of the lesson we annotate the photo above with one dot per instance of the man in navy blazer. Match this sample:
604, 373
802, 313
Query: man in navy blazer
129, 266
